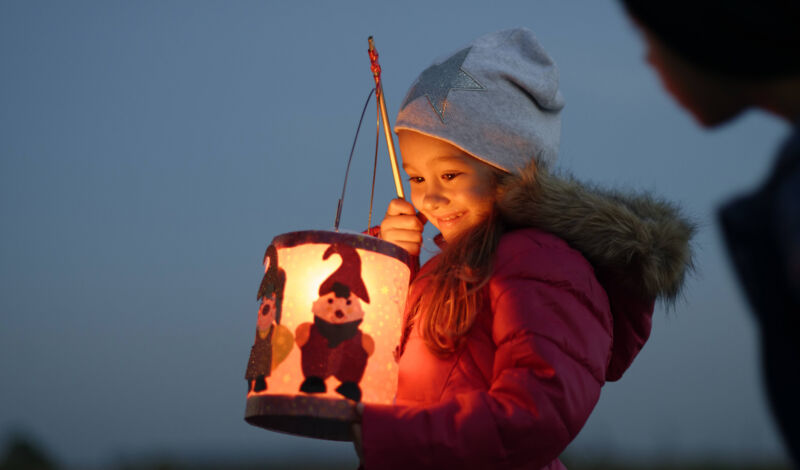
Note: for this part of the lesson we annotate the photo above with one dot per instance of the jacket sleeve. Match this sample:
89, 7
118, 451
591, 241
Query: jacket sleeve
552, 338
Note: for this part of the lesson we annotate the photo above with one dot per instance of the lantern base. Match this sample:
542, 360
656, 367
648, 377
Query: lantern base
302, 415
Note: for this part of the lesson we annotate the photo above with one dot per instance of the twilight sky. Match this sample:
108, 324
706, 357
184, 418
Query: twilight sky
149, 151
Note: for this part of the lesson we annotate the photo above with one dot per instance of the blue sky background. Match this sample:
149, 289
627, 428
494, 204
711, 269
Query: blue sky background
150, 150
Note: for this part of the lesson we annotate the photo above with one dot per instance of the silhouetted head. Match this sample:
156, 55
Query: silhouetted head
718, 58
741, 38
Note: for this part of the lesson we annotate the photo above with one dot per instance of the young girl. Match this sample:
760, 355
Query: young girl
544, 288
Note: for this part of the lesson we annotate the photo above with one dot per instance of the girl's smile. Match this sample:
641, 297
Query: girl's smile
450, 219
454, 190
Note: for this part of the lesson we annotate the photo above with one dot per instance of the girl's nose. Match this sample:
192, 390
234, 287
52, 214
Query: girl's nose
434, 199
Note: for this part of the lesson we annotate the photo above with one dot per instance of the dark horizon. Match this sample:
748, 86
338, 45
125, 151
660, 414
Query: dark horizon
24, 452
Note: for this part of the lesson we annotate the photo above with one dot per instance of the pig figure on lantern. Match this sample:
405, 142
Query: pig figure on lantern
333, 345
273, 341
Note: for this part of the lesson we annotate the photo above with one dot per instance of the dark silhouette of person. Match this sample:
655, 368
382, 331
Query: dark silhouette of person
718, 58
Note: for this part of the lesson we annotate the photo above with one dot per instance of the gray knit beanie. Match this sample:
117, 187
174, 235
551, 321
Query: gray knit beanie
497, 100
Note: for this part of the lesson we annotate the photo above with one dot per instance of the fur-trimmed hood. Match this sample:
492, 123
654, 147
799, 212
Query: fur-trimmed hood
643, 240
638, 244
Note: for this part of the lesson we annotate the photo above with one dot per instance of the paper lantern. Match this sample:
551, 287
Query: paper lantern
329, 320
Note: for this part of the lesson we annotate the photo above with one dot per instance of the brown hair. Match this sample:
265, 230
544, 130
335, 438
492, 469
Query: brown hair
454, 295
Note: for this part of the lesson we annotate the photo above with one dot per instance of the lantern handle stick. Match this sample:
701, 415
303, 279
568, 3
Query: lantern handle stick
376, 74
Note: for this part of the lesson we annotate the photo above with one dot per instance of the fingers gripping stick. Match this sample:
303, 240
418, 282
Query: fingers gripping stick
403, 226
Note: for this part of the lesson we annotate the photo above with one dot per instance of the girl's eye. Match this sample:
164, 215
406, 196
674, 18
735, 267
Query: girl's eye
449, 176
416, 179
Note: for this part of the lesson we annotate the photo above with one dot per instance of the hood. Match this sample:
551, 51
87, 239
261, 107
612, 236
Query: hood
639, 245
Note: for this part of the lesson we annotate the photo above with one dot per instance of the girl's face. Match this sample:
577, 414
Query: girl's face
452, 189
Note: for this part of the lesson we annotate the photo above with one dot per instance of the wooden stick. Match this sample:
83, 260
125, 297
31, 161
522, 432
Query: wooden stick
387, 131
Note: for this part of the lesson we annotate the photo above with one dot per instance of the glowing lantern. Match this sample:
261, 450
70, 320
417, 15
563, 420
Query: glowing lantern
328, 323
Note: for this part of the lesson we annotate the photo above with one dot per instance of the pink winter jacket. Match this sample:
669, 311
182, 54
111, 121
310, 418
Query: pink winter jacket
531, 370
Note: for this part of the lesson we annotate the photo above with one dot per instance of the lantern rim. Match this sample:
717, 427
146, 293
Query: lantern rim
303, 415
355, 240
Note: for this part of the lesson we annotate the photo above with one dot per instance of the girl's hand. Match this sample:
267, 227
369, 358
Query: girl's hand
357, 439
403, 226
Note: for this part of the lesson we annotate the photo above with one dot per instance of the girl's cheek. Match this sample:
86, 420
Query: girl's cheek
416, 198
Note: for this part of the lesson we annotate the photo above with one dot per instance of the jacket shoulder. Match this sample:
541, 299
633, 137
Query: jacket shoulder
536, 254
547, 291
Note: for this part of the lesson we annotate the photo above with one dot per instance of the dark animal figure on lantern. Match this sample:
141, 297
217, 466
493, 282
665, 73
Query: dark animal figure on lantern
333, 345
273, 341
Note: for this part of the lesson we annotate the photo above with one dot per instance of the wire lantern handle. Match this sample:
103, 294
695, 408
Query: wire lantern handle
347, 170
381, 117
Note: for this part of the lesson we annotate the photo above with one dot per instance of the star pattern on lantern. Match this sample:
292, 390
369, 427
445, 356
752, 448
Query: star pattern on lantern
438, 79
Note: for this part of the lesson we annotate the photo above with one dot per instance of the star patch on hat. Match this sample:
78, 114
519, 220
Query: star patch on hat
438, 79
500, 98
